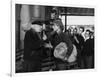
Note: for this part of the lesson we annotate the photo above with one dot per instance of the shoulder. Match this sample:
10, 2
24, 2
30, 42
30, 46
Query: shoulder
64, 35
30, 33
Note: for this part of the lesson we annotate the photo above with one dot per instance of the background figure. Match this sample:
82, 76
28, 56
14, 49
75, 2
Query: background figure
53, 16
92, 47
79, 44
33, 45
78, 40
87, 53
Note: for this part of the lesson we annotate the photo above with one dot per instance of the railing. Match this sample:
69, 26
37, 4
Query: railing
19, 60
19, 54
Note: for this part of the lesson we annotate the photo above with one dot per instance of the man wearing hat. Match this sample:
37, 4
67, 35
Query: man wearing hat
33, 45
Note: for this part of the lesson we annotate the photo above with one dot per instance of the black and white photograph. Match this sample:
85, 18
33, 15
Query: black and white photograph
54, 38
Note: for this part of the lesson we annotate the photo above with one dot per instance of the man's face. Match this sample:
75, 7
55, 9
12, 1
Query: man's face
75, 31
92, 35
86, 34
72, 31
80, 31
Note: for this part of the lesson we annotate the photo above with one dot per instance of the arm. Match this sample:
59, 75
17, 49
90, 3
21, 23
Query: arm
32, 40
69, 44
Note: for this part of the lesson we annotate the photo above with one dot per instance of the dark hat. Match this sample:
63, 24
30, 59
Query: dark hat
47, 22
37, 22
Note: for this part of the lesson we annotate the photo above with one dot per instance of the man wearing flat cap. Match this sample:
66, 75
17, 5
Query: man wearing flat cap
33, 48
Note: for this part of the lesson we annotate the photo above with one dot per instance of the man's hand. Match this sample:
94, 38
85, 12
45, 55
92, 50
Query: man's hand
76, 39
47, 45
55, 27
44, 37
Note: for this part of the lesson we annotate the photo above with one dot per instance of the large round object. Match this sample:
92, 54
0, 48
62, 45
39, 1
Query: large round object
61, 50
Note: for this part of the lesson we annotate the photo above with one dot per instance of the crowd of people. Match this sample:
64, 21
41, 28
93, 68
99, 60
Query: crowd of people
85, 46
48, 39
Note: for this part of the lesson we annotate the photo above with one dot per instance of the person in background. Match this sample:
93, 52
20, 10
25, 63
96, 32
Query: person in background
81, 31
79, 44
53, 16
87, 52
78, 41
80, 37
77, 37
33, 45
75, 34
70, 33
92, 47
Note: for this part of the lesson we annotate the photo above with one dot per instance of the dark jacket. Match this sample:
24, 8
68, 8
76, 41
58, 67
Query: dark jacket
92, 46
62, 37
32, 46
81, 41
88, 48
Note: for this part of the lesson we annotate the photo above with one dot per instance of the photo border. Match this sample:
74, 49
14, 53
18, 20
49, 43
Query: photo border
13, 41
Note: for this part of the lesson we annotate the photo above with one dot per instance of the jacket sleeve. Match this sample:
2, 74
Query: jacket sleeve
69, 44
32, 41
